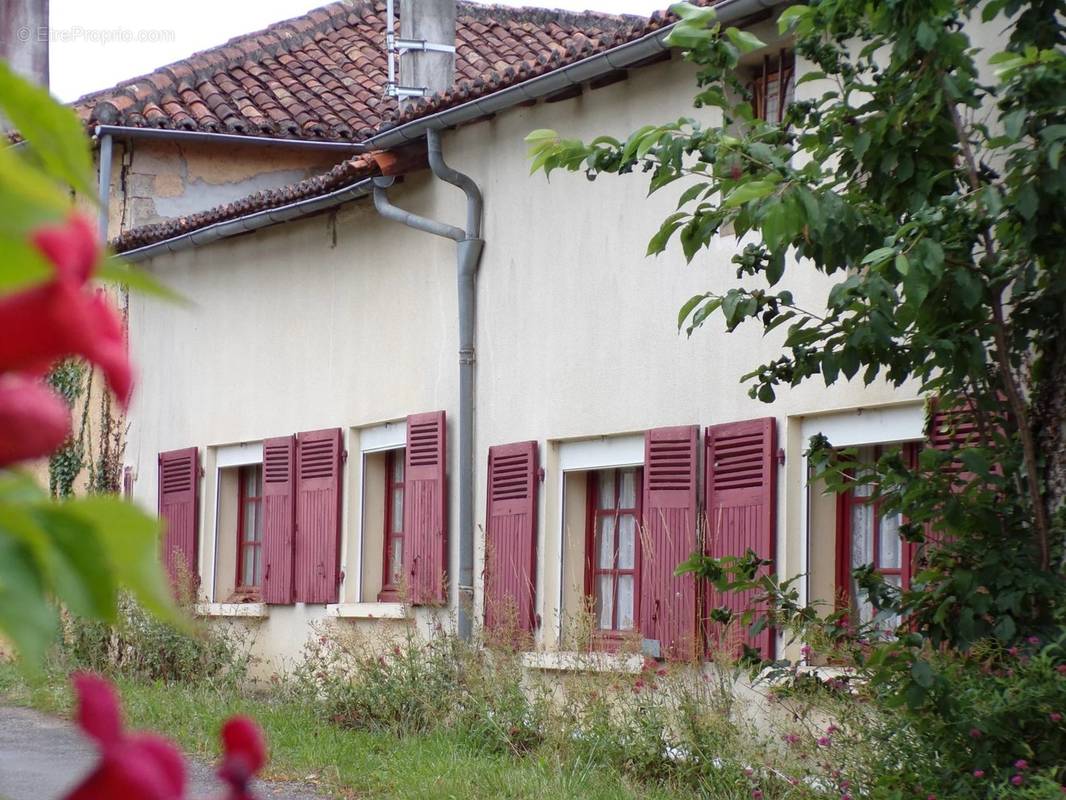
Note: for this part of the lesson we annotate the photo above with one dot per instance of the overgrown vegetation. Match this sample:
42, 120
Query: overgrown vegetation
141, 647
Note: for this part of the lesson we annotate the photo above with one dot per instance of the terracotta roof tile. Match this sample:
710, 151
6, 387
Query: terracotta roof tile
322, 75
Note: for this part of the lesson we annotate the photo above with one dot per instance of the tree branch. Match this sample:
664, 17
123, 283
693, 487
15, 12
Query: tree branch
1010, 385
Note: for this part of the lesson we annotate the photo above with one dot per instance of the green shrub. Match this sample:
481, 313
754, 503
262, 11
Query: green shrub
141, 647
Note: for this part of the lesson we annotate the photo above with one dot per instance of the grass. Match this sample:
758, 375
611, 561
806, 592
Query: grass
343, 762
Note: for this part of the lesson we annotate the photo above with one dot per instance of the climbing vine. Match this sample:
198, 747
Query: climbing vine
67, 378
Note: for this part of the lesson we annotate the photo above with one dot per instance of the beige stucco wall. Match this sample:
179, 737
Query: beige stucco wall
576, 336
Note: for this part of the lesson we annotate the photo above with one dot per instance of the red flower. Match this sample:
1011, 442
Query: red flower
244, 754
140, 766
33, 420
64, 317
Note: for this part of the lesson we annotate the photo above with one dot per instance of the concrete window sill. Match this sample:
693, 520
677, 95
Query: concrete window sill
368, 611
584, 662
249, 610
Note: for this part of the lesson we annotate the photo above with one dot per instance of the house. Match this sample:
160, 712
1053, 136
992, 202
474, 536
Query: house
347, 423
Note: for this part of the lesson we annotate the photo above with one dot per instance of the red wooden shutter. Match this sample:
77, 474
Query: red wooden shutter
425, 518
668, 602
279, 512
511, 537
741, 488
179, 506
318, 516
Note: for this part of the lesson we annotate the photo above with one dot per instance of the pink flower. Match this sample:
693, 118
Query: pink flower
1033, 640
805, 651
1013, 651
824, 741
791, 738
65, 317
1055, 716
832, 729
244, 754
1061, 669
33, 420
975, 733
140, 766
756, 794
1021, 763
978, 773
931, 797
1018, 780
845, 796
748, 771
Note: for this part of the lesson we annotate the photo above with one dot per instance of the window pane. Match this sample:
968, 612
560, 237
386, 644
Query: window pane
862, 533
606, 495
251, 481
627, 544
891, 546
397, 510
604, 602
396, 559
397, 465
627, 491
605, 538
625, 602
249, 522
247, 565
258, 572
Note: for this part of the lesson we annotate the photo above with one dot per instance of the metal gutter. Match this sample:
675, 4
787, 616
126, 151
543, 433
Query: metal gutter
205, 137
729, 11
105, 184
251, 222
647, 46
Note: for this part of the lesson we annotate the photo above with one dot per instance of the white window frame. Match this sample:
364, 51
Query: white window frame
860, 426
372, 439
586, 455
227, 456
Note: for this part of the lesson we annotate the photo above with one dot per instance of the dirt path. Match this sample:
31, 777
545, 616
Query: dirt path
42, 757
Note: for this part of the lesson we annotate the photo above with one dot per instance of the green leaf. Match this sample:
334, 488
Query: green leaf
53, 131
1004, 629
1013, 123
689, 307
23, 267
115, 270
693, 13
922, 674
879, 256
746, 192
691, 193
80, 575
130, 540
925, 35
903, 266
27, 618
744, 41
791, 16
541, 135
666, 230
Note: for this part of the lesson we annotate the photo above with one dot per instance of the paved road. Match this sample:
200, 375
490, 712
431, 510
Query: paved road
42, 757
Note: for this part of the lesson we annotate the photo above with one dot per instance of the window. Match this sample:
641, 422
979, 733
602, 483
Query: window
613, 548
250, 528
869, 537
772, 80
393, 528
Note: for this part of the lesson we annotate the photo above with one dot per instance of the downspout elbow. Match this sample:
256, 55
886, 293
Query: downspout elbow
474, 202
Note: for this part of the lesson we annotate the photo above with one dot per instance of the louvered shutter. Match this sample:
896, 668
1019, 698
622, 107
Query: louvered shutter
279, 516
425, 509
179, 507
741, 484
511, 537
668, 602
318, 517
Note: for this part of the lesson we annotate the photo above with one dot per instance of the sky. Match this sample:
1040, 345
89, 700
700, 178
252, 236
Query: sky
96, 45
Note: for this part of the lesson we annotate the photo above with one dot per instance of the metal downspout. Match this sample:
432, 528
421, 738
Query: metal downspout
104, 191
468, 256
